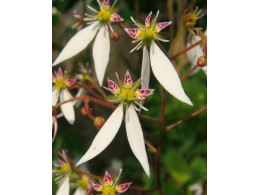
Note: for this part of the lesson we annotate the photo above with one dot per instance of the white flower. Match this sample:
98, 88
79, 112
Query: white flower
64, 187
127, 94
98, 26
162, 67
195, 53
83, 186
60, 91
197, 188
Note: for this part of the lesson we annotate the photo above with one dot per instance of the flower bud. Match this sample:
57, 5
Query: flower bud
99, 122
84, 111
114, 36
202, 61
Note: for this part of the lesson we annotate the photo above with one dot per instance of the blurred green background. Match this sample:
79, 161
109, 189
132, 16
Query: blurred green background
184, 151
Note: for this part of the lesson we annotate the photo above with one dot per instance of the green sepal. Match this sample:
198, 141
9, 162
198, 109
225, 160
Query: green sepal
114, 98
136, 85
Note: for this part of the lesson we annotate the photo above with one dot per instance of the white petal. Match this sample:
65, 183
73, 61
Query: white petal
80, 191
55, 96
67, 108
105, 135
101, 51
166, 74
77, 43
81, 92
145, 73
64, 187
135, 137
205, 69
194, 53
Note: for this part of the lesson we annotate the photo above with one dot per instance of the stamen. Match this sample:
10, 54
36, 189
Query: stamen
120, 171
141, 106
163, 40
89, 19
91, 8
113, 4
137, 109
110, 27
136, 23
154, 22
91, 16
139, 47
101, 7
134, 41
136, 47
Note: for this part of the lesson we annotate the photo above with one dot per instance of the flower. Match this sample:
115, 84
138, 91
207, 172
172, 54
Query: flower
62, 173
195, 53
60, 91
197, 188
162, 67
109, 187
82, 186
127, 94
99, 24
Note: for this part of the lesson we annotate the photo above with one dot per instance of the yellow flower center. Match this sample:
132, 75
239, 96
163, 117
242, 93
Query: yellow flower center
61, 83
103, 16
109, 191
82, 183
146, 34
65, 169
127, 95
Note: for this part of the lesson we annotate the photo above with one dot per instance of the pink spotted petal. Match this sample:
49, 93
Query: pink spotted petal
113, 87
70, 82
132, 32
143, 93
161, 26
60, 73
123, 187
106, 3
107, 179
148, 19
116, 18
53, 78
96, 187
128, 80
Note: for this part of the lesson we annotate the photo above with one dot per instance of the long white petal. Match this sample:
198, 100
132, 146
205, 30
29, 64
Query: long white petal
135, 137
80, 191
64, 187
165, 73
55, 96
67, 108
77, 43
101, 51
105, 135
145, 74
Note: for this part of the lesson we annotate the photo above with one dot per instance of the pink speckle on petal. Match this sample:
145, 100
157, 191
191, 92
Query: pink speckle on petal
162, 25
106, 3
70, 82
128, 80
143, 93
108, 179
60, 73
123, 187
53, 78
116, 18
113, 87
148, 19
132, 32
96, 187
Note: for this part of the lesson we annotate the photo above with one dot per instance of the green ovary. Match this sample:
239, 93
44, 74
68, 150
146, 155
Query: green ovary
103, 16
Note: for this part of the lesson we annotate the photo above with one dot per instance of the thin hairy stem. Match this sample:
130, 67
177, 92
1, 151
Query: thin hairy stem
168, 128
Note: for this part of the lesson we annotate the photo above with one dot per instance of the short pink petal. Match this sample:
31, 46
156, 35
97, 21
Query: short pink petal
107, 179
96, 187
132, 32
161, 26
116, 18
113, 87
143, 93
148, 19
123, 187
106, 3
53, 78
128, 80
70, 82
60, 73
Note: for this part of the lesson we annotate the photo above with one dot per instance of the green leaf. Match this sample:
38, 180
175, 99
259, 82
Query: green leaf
177, 167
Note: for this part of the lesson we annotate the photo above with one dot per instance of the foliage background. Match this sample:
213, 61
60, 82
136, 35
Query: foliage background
184, 151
